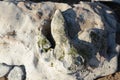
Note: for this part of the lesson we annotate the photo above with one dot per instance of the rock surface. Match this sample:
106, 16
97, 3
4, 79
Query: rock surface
117, 1
115, 76
16, 74
4, 69
57, 43
3, 78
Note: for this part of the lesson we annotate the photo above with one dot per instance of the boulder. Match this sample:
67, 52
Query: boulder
57, 43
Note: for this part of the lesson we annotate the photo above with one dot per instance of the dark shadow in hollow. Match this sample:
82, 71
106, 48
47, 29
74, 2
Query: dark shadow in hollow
109, 27
88, 48
46, 30
118, 42
24, 71
71, 24
73, 28
115, 7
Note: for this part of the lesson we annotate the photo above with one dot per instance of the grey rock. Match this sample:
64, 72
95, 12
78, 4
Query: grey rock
16, 74
60, 35
58, 28
4, 69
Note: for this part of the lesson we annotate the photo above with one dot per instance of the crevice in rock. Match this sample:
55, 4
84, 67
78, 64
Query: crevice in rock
71, 24
24, 71
46, 30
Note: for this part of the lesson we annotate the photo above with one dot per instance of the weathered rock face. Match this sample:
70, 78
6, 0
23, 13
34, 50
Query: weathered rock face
43, 41
16, 74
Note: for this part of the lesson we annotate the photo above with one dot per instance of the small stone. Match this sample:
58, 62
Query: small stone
16, 74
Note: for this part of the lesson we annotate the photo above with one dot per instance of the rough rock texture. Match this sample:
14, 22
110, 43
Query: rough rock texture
16, 74
57, 43
115, 76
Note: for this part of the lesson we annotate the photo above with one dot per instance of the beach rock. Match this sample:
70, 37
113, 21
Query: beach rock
57, 43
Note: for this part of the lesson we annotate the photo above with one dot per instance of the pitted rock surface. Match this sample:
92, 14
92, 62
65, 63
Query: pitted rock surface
57, 43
